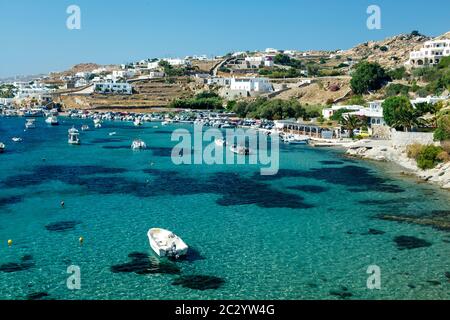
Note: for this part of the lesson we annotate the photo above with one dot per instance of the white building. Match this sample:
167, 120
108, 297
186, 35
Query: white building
177, 62
83, 75
124, 74
429, 100
261, 85
327, 113
81, 83
374, 113
113, 87
37, 91
272, 50
431, 53
259, 61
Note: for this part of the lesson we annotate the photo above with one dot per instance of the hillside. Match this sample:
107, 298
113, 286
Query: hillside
149, 94
392, 52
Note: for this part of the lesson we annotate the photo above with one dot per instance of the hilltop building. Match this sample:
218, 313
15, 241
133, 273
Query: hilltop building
430, 54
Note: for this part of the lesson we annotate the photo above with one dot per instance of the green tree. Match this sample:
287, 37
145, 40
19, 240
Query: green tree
368, 77
398, 112
351, 123
442, 132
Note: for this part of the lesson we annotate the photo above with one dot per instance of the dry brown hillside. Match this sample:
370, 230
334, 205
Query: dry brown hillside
390, 53
149, 94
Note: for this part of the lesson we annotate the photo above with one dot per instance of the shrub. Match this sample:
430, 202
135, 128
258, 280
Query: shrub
443, 156
445, 145
428, 157
398, 73
413, 150
396, 89
443, 128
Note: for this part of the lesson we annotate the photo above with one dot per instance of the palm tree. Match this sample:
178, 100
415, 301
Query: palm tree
351, 122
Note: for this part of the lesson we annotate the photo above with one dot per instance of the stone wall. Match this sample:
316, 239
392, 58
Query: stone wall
403, 139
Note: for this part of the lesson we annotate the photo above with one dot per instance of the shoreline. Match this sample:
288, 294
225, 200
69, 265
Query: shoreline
383, 151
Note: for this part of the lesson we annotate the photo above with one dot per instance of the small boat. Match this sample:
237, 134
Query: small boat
74, 136
97, 123
220, 142
227, 125
17, 139
30, 124
112, 134
2, 147
137, 122
295, 140
52, 120
84, 127
138, 145
165, 123
243, 151
166, 244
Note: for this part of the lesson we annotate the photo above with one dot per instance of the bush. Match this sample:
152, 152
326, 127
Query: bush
443, 156
398, 73
442, 132
413, 150
396, 89
428, 157
445, 145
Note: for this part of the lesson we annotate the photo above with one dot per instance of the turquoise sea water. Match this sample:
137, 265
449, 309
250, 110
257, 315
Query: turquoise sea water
302, 234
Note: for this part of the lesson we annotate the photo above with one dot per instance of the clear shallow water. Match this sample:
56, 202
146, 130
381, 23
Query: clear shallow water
302, 234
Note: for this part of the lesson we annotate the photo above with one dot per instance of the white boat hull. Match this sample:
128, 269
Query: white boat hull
163, 245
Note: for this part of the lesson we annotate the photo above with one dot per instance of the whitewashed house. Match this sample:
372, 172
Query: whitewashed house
124, 74
430, 54
113, 87
35, 90
374, 113
327, 113
261, 85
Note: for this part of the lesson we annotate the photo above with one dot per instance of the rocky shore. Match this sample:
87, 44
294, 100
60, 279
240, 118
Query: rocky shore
384, 151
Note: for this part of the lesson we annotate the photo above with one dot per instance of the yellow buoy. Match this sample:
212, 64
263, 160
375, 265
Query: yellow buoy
10, 242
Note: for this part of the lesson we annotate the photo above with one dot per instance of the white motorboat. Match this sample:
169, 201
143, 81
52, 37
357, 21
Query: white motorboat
138, 145
17, 139
30, 124
166, 244
240, 150
97, 123
52, 120
84, 127
220, 142
295, 140
2, 147
228, 125
165, 123
137, 122
74, 136
112, 134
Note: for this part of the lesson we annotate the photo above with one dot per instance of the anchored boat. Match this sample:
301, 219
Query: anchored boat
74, 136
30, 124
243, 151
166, 244
138, 145
2, 147
52, 120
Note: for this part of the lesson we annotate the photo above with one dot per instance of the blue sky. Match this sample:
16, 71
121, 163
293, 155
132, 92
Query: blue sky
35, 39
